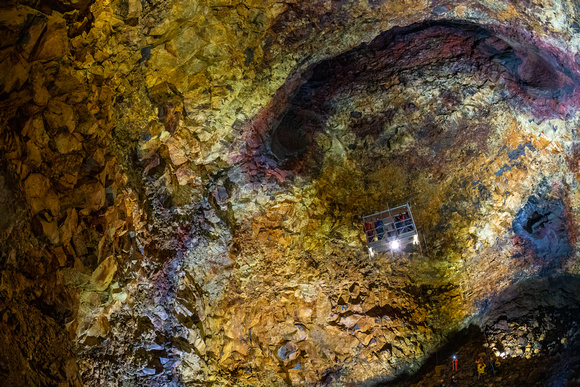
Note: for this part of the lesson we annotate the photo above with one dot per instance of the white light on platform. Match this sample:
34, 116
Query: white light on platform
371, 252
395, 245
416, 239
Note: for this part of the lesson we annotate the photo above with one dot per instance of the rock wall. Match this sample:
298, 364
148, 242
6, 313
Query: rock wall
182, 183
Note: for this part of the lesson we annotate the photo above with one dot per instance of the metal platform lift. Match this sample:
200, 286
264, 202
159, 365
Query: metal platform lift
390, 230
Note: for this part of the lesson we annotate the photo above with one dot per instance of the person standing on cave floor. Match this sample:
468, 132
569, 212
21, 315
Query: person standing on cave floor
497, 366
488, 332
480, 369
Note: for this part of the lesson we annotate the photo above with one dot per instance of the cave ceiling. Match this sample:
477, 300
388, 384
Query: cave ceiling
182, 186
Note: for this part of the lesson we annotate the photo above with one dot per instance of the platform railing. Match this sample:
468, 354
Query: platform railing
382, 226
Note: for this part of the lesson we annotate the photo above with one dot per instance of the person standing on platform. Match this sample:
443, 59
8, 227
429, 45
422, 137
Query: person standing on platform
379, 228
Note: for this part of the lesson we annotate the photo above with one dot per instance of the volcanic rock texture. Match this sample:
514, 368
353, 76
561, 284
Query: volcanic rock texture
182, 185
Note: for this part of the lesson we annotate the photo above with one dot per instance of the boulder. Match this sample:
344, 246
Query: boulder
40, 95
59, 115
39, 194
67, 143
69, 226
14, 71
103, 274
54, 41
50, 230
89, 196
177, 152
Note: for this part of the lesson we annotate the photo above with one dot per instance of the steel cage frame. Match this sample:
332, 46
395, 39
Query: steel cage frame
385, 228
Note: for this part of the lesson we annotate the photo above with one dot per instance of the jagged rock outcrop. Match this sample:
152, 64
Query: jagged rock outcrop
182, 184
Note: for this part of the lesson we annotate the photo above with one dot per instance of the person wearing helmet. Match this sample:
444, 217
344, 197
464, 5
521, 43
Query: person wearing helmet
480, 369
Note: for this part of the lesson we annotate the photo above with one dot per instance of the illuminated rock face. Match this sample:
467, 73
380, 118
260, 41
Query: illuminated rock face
182, 185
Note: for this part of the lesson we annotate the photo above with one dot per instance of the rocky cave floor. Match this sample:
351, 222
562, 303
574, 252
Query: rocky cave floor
542, 350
